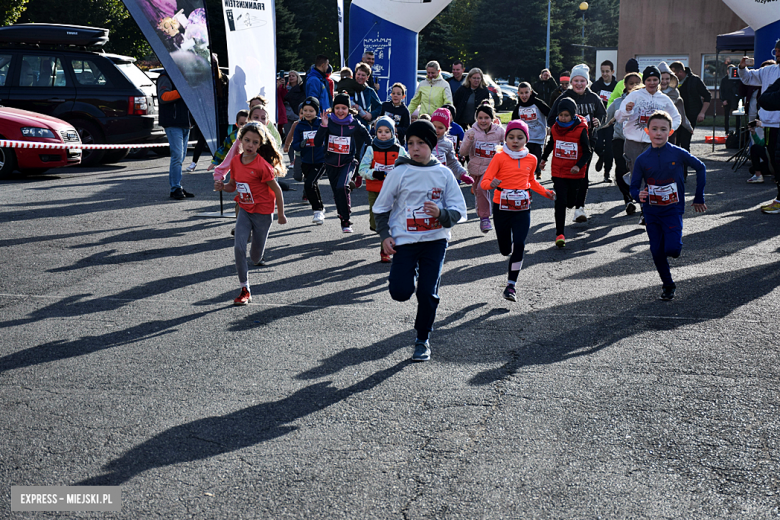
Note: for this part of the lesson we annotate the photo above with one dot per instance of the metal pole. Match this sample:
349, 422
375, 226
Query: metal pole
547, 58
583, 36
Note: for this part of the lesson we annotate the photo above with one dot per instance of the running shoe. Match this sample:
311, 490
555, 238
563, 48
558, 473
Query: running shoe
346, 229
243, 298
630, 208
668, 293
318, 218
191, 167
422, 351
771, 208
358, 181
187, 193
560, 241
485, 225
756, 179
509, 293
642, 221
580, 215
607, 178
467, 179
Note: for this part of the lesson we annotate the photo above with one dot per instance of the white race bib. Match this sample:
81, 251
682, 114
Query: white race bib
604, 95
440, 155
452, 138
566, 150
484, 150
662, 195
244, 193
515, 200
417, 220
308, 138
337, 144
383, 167
527, 114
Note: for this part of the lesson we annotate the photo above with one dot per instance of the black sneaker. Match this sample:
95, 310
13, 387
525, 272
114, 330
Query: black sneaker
642, 221
422, 351
607, 178
630, 208
178, 194
510, 293
668, 293
187, 193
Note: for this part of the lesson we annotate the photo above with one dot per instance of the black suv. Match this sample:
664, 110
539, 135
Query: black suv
49, 69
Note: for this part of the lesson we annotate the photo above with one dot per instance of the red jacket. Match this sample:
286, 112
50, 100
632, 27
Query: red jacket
570, 147
383, 157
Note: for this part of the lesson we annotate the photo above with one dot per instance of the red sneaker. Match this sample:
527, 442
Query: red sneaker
384, 258
243, 298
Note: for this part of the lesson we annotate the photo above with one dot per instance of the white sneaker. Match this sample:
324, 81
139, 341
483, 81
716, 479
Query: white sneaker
580, 215
756, 179
191, 167
318, 218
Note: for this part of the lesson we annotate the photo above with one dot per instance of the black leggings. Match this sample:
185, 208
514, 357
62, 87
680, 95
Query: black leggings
620, 168
536, 151
569, 193
511, 231
311, 177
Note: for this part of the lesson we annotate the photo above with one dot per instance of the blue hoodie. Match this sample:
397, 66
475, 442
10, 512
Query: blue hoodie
310, 154
317, 86
662, 167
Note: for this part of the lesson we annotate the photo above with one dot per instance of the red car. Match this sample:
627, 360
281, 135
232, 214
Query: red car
22, 125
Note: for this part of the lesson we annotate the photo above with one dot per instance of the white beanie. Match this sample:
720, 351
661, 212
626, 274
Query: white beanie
663, 67
581, 70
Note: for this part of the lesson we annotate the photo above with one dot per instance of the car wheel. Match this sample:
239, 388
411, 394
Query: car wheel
34, 171
114, 156
90, 134
7, 163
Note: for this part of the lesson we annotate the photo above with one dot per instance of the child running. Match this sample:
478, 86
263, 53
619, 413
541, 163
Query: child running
253, 173
661, 170
418, 204
569, 169
444, 150
344, 137
379, 160
397, 111
311, 156
511, 174
480, 145
534, 112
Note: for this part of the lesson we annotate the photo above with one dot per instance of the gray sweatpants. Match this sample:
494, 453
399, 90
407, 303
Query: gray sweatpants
259, 225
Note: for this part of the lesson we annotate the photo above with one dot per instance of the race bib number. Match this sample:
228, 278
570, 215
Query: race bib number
662, 195
439, 154
452, 138
527, 114
337, 144
383, 167
308, 138
418, 220
515, 200
566, 150
244, 193
643, 119
604, 95
484, 150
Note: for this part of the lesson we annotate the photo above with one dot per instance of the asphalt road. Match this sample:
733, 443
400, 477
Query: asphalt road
124, 362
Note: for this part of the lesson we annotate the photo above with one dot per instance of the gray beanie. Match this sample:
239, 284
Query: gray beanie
581, 70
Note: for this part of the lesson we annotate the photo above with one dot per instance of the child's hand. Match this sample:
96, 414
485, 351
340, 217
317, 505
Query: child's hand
575, 169
551, 194
542, 165
643, 195
387, 246
219, 185
281, 219
432, 209
211, 167
699, 208
324, 118
630, 107
494, 183
287, 149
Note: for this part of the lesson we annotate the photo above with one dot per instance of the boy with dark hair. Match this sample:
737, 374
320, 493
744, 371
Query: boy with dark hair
603, 88
397, 111
660, 173
317, 81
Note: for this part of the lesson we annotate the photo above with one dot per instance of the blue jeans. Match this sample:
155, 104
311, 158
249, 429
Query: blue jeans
177, 139
420, 262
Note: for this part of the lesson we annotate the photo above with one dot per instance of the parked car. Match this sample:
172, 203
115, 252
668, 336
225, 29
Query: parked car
22, 125
509, 99
48, 69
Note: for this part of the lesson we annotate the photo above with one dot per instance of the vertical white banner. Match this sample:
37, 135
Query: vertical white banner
250, 27
340, 4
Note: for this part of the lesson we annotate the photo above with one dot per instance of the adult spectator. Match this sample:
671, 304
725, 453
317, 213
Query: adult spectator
458, 71
175, 119
317, 83
365, 99
766, 77
469, 96
545, 87
281, 111
296, 94
368, 59
432, 92
729, 95
696, 99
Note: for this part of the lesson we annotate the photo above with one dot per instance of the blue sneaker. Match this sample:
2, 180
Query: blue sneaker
422, 351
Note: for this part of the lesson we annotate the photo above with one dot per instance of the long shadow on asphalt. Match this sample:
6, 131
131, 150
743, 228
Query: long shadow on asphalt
211, 436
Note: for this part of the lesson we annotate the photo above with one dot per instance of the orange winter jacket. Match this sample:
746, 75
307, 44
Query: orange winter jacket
514, 174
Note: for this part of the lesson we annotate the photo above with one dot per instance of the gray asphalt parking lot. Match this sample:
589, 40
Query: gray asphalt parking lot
124, 362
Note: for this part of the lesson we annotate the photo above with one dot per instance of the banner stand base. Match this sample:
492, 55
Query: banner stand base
217, 214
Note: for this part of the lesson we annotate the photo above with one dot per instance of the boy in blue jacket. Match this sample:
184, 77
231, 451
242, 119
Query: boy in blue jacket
660, 173
311, 156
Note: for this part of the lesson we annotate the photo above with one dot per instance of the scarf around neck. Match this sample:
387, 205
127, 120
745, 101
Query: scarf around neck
516, 155
346, 121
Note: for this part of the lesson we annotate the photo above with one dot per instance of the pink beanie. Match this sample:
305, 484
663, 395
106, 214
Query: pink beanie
442, 115
517, 124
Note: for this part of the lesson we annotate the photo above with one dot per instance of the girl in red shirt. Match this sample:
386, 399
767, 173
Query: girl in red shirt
511, 174
253, 173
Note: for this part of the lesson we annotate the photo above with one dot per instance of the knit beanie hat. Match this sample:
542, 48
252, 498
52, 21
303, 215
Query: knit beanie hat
442, 115
487, 108
651, 72
581, 70
664, 68
566, 104
313, 102
342, 98
389, 123
518, 124
425, 131
632, 66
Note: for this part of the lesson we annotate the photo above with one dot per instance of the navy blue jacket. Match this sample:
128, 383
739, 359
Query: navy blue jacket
663, 166
309, 154
358, 140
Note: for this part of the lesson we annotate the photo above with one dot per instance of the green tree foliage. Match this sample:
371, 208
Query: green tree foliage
11, 10
288, 39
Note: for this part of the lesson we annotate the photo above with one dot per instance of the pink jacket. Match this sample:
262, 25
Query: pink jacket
477, 145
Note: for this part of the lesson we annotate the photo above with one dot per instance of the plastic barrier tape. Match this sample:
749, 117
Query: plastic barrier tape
65, 146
